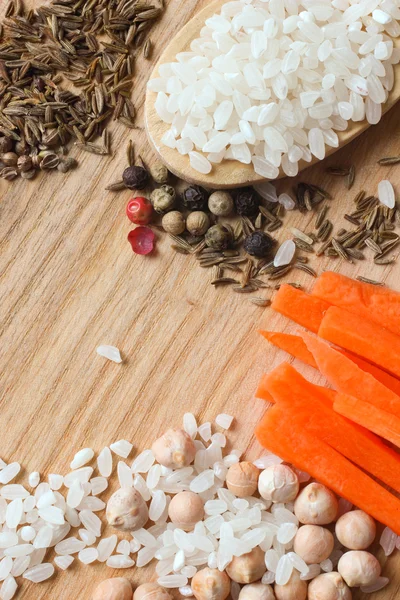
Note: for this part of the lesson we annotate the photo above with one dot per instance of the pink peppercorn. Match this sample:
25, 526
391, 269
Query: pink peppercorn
139, 210
142, 240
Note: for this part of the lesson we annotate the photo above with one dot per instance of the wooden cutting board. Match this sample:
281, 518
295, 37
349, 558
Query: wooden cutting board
69, 282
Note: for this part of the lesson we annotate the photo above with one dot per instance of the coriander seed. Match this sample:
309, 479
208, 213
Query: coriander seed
10, 159
5, 145
221, 204
197, 222
135, 178
24, 163
163, 199
174, 222
218, 237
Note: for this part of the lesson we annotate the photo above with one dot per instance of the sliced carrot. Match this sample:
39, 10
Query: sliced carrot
302, 308
262, 391
325, 395
281, 433
366, 339
346, 377
354, 442
371, 302
295, 345
379, 421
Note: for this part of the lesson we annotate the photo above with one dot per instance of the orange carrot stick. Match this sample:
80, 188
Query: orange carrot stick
379, 421
302, 308
281, 433
356, 443
366, 339
325, 395
371, 302
346, 377
294, 345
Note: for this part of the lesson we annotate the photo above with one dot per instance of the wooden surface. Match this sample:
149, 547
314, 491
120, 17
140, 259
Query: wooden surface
228, 174
69, 282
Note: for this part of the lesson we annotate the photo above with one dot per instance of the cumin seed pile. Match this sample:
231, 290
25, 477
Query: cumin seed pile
66, 70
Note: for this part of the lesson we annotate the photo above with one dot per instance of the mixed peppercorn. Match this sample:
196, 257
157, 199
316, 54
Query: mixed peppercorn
195, 213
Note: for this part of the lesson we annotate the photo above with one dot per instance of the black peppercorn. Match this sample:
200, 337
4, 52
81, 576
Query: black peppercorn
135, 178
195, 198
247, 202
258, 244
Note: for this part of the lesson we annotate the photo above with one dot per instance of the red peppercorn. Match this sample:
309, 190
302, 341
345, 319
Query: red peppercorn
142, 240
139, 210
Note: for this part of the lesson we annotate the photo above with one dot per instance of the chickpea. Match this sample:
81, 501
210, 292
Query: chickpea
278, 483
242, 479
117, 588
356, 530
175, 449
126, 510
328, 586
151, 591
211, 584
186, 509
358, 567
294, 589
313, 543
247, 568
316, 505
256, 591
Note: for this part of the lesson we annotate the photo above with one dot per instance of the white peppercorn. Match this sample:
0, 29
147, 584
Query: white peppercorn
221, 204
174, 222
197, 222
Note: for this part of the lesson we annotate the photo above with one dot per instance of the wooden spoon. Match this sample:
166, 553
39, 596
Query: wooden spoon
228, 174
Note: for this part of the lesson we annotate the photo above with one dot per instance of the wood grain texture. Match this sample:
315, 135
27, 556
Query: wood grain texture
69, 282
228, 174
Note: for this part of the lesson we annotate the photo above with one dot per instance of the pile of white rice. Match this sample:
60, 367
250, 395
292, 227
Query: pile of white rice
67, 514
270, 82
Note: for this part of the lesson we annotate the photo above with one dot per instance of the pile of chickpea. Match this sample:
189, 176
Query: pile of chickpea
315, 507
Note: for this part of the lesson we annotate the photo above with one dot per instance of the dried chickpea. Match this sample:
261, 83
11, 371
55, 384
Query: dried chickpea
294, 589
151, 591
117, 588
359, 568
316, 505
278, 483
126, 510
247, 568
328, 586
175, 449
242, 479
256, 591
356, 530
211, 584
186, 509
313, 543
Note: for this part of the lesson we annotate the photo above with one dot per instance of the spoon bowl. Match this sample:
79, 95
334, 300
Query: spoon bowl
229, 173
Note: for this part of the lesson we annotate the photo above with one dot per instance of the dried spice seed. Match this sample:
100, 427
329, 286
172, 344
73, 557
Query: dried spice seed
244, 290
302, 245
389, 160
263, 302
223, 281
371, 281
340, 250
338, 171
354, 253
351, 177
305, 268
351, 220
321, 216
302, 236
373, 245
384, 260
280, 272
